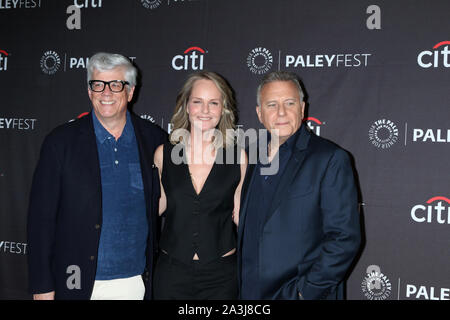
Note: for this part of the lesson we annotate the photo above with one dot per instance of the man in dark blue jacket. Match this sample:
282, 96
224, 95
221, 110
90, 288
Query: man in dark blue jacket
92, 221
298, 228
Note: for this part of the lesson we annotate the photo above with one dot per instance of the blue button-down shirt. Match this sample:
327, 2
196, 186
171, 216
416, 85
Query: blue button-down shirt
261, 194
124, 231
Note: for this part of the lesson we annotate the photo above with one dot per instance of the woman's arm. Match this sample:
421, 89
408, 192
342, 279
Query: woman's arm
237, 193
158, 160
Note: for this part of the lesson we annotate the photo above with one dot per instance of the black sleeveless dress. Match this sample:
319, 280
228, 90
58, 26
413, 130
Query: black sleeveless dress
198, 223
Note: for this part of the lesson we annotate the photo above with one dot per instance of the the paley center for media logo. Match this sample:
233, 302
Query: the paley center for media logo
151, 4
259, 60
383, 133
50, 62
376, 285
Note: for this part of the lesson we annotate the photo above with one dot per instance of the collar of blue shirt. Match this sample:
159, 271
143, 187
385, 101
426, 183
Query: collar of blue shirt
102, 134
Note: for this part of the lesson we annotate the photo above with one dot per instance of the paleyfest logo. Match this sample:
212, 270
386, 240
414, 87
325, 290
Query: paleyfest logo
19, 4
259, 60
376, 286
51, 62
383, 133
13, 247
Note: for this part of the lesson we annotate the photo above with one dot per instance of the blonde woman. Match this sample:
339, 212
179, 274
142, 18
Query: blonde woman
201, 172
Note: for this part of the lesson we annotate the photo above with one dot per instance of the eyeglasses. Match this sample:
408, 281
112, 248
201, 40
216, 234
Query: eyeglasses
114, 85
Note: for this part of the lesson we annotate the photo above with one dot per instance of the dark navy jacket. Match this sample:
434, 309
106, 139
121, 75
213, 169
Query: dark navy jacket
312, 232
65, 214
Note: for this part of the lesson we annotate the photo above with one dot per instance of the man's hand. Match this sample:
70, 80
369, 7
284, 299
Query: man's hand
44, 296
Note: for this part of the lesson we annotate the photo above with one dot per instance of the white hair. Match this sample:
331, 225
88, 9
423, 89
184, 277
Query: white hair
103, 61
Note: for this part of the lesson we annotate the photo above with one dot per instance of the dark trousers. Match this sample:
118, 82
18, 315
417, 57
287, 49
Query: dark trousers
176, 280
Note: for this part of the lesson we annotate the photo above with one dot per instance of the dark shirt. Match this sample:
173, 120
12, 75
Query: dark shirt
262, 190
123, 239
199, 223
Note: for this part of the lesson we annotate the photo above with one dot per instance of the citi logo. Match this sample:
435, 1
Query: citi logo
88, 3
436, 210
3, 60
314, 124
81, 115
435, 58
191, 59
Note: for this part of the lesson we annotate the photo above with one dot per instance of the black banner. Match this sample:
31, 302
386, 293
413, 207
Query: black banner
376, 74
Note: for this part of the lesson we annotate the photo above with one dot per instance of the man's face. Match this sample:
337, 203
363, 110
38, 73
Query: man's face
280, 108
108, 105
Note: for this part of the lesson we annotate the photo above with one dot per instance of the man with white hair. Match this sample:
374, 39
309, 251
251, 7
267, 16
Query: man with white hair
92, 221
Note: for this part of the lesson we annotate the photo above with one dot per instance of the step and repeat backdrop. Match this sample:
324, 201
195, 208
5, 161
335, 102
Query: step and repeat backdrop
376, 73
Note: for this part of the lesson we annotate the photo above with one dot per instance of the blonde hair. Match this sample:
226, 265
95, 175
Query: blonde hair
180, 118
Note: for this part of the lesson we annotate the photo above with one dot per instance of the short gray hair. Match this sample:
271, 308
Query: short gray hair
103, 61
279, 76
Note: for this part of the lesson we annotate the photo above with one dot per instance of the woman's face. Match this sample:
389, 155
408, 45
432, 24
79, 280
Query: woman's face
204, 105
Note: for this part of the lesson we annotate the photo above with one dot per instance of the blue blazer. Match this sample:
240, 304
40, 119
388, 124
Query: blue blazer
65, 210
312, 232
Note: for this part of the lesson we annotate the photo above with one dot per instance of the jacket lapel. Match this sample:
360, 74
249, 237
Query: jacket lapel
142, 146
293, 166
88, 149
87, 156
